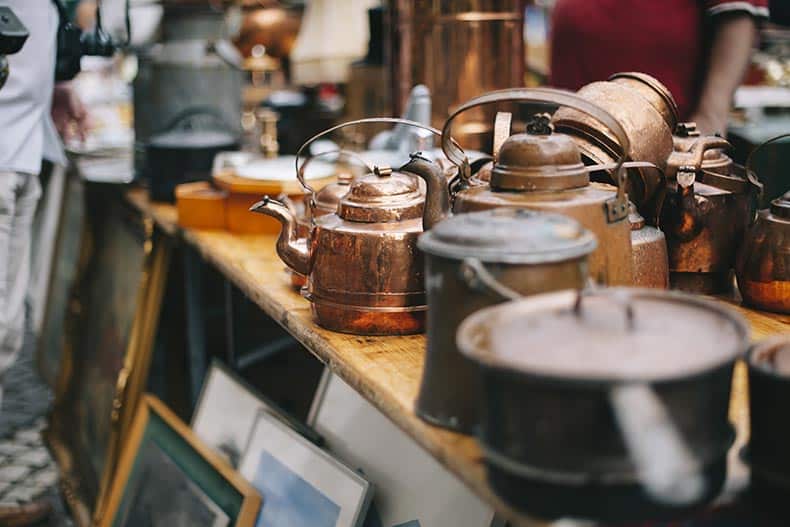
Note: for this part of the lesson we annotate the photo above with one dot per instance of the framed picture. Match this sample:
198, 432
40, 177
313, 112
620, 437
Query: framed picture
107, 351
301, 484
227, 410
412, 488
167, 477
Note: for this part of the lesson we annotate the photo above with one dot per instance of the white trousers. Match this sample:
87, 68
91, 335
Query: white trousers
19, 195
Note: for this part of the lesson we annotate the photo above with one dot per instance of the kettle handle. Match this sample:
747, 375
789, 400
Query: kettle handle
617, 208
750, 174
369, 120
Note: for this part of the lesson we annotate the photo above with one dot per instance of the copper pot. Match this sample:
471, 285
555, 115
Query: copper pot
708, 208
268, 24
364, 272
528, 251
540, 170
649, 250
646, 110
764, 260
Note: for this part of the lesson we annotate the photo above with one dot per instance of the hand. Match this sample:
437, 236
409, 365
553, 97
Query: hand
68, 112
709, 124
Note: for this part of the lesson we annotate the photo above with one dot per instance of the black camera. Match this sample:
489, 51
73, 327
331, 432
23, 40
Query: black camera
13, 35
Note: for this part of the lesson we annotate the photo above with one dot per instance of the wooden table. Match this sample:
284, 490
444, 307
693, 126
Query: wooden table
384, 370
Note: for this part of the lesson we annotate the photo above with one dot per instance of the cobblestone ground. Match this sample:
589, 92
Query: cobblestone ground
26, 469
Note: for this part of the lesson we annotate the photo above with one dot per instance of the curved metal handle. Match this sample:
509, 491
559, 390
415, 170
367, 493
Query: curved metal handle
478, 278
702, 145
616, 209
182, 117
759, 147
340, 152
369, 120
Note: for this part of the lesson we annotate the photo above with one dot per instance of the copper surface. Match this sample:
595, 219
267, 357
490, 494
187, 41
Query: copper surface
268, 24
763, 268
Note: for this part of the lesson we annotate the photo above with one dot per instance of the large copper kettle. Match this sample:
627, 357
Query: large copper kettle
540, 170
364, 272
708, 208
647, 112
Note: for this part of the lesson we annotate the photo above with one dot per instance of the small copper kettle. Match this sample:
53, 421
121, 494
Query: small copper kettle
540, 170
364, 272
709, 206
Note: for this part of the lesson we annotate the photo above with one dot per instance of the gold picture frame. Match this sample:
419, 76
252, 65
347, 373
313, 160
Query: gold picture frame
113, 315
165, 470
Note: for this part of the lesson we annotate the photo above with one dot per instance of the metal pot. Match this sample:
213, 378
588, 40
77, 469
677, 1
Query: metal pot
185, 151
530, 252
769, 397
608, 404
764, 260
540, 170
709, 206
646, 110
364, 272
649, 250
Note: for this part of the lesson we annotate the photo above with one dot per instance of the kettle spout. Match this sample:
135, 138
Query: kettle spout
437, 200
292, 250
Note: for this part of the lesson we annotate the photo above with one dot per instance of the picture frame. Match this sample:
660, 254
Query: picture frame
167, 477
227, 410
302, 484
412, 488
114, 311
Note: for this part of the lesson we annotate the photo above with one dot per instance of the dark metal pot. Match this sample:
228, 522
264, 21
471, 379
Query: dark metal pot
769, 452
530, 252
185, 151
569, 433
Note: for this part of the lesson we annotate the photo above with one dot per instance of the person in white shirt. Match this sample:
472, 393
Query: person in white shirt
28, 102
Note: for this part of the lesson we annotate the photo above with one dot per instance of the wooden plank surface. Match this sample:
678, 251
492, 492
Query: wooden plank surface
384, 370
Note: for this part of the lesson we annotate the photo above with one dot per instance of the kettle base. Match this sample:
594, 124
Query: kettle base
702, 283
360, 321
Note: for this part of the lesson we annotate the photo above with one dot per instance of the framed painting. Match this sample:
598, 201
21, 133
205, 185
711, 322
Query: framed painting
167, 477
227, 410
107, 351
412, 488
302, 485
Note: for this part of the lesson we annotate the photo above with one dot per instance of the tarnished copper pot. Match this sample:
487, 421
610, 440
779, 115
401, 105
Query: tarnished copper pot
646, 110
528, 251
364, 272
763, 268
708, 208
649, 249
541, 170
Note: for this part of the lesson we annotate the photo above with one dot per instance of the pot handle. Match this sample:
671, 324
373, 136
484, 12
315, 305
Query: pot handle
478, 278
369, 120
185, 119
751, 175
665, 464
616, 208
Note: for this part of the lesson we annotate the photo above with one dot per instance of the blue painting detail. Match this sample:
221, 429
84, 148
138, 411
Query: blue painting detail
288, 500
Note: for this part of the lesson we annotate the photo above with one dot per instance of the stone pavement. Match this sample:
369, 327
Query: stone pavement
26, 469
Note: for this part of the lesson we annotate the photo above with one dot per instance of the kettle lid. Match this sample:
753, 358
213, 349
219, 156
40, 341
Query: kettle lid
781, 206
509, 235
539, 160
383, 196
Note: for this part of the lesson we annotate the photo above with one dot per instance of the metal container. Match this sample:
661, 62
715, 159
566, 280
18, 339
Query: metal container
530, 252
364, 272
763, 269
646, 110
608, 404
768, 453
649, 250
540, 170
708, 208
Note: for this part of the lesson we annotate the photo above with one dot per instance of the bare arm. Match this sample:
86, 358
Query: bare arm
730, 53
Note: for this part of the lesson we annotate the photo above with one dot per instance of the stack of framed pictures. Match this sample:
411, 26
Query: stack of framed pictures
114, 311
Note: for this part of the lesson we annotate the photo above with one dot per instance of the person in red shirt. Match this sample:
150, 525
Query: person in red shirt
699, 49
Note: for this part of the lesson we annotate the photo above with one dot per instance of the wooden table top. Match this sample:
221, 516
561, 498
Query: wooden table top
384, 370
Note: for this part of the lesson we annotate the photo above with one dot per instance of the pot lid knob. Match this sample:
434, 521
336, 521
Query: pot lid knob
781, 206
383, 196
539, 160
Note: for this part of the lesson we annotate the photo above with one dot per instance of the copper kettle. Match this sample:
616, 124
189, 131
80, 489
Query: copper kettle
540, 170
647, 112
709, 206
763, 265
364, 272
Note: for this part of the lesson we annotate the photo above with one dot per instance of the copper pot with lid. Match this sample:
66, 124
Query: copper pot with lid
528, 251
648, 113
649, 250
540, 170
607, 404
364, 272
708, 208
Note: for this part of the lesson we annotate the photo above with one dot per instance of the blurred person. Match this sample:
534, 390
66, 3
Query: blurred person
29, 101
699, 49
